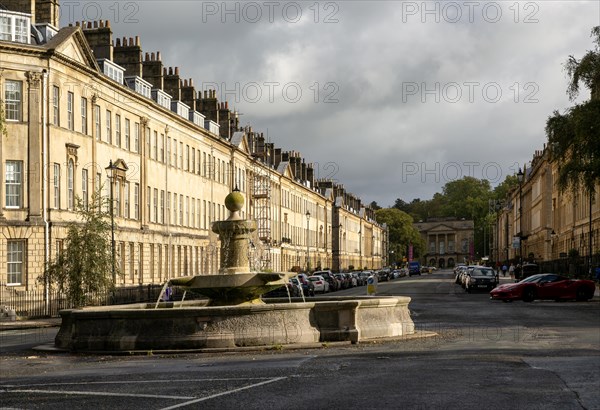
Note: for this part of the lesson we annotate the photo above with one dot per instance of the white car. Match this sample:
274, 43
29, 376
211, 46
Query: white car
321, 285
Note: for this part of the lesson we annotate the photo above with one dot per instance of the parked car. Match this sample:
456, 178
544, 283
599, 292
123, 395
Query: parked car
458, 273
382, 276
351, 280
414, 268
281, 291
480, 277
526, 271
545, 286
307, 286
319, 283
334, 284
345, 284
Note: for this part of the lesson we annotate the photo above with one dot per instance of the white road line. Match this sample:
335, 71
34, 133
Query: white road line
137, 382
91, 393
224, 393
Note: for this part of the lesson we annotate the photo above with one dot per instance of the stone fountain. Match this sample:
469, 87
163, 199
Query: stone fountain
235, 284
233, 316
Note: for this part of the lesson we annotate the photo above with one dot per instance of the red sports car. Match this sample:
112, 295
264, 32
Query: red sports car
545, 286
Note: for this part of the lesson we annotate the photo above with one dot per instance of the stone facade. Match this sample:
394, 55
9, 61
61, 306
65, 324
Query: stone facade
548, 223
448, 241
86, 112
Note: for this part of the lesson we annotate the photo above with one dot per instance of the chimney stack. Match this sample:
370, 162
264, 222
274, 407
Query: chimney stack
152, 70
99, 37
129, 56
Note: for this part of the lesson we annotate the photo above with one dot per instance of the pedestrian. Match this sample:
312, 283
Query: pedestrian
504, 268
511, 270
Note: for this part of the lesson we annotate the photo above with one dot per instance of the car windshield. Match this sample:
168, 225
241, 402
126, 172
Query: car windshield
533, 279
313, 279
483, 272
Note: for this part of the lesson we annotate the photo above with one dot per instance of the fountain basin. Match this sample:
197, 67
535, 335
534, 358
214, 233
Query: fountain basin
192, 325
232, 289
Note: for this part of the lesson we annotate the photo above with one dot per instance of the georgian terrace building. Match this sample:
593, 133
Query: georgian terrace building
86, 113
538, 223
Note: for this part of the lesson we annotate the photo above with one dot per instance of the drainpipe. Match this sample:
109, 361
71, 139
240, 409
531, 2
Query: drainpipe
44, 190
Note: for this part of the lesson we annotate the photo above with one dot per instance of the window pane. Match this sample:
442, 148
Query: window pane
14, 258
12, 98
13, 186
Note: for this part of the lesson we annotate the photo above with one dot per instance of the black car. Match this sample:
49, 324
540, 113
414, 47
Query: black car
525, 271
480, 278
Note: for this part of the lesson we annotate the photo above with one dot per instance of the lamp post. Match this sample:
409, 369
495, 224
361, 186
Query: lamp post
110, 170
520, 176
307, 241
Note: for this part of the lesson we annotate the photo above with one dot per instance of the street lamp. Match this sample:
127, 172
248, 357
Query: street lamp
520, 176
307, 241
110, 170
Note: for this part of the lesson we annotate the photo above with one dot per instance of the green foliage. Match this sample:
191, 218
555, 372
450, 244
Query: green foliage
3, 131
85, 265
574, 137
500, 193
401, 230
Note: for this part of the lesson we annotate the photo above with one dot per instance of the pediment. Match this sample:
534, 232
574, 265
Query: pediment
285, 169
70, 42
441, 228
240, 141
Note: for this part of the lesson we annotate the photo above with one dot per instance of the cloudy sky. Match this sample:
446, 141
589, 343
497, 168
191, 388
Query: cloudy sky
391, 98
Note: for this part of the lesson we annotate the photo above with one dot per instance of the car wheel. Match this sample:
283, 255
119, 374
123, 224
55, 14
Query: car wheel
529, 295
582, 294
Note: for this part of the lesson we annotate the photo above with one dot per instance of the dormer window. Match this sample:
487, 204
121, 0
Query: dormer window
139, 85
162, 98
111, 70
14, 26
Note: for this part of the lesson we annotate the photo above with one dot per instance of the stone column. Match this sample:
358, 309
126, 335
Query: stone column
34, 146
145, 136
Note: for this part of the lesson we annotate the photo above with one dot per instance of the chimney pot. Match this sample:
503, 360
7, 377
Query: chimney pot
226, 105
118, 42
137, 40
107, 23
176, 70
101, 23
77, 24
89, 24
170, 70
95, 23
158, 55
130, 41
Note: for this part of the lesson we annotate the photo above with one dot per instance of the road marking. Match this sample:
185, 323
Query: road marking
224, 393
220, 379
91, 393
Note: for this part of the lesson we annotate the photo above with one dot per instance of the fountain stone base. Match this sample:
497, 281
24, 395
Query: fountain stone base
192, 326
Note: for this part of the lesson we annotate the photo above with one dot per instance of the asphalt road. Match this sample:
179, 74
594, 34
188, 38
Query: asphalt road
486, 354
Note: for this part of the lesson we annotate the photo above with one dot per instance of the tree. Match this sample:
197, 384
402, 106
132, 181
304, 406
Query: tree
574, 137
374, 206
402, 233
85, 265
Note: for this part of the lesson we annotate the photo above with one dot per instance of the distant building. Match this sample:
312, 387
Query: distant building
448, 241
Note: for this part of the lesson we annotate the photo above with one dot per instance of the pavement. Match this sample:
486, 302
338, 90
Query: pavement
56, 321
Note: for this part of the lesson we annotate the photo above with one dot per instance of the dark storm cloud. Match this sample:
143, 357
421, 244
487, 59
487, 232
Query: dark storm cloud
395, 101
